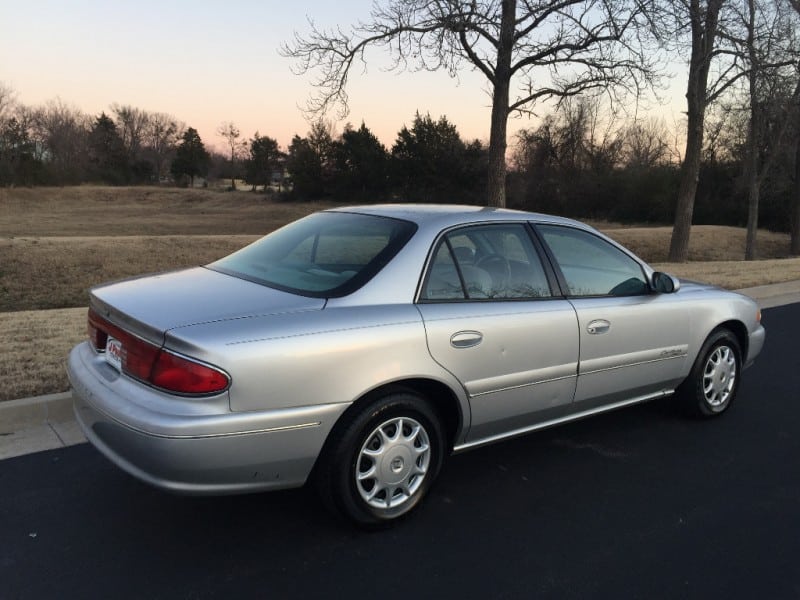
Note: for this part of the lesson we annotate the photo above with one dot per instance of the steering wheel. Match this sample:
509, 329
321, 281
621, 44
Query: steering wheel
498, 267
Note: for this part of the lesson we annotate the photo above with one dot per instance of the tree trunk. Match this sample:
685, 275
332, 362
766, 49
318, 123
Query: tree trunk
233, 168
690, 175
795, 245
496, 180
753, 138
750, 248
704, 33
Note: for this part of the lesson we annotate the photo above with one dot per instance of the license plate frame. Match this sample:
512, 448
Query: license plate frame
113, 353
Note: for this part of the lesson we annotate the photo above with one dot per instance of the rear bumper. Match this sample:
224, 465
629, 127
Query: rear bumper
194, 446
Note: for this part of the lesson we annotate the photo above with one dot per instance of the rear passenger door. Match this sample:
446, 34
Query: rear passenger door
492, 319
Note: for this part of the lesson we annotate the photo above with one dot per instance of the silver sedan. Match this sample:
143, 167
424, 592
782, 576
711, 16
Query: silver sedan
358, 347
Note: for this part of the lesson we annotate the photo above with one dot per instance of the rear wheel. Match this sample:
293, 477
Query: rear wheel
714, 380
380, 463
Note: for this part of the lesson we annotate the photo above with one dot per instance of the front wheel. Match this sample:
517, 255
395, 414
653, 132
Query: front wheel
711, 386
382, 461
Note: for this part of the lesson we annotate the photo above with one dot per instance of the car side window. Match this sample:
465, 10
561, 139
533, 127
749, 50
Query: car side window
486, 262
592, 266
443, 281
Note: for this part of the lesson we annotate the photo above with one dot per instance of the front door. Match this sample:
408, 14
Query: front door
633, 342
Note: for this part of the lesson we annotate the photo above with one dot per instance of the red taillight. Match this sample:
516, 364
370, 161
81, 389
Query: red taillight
138, 357
97, 336
154, 365
172, 372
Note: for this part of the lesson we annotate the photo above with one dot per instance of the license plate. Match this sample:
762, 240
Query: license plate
114, 353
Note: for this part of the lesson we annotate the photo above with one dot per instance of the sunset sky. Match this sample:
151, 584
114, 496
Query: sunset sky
210, 62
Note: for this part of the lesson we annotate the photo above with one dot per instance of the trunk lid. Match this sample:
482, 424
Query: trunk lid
150, 305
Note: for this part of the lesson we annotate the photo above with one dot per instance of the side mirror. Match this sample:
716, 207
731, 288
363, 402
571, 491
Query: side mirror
664, 283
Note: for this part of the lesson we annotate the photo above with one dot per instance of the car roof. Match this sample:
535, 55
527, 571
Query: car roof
446, 215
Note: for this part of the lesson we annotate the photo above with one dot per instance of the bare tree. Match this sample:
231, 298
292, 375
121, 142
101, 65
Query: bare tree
795, 236
644, 143
161, 138
528, 51
602, 139
703, 20
725, 133
132, 124
767, 47
585, 135
12, 136
61, 130
231, 134
8, 100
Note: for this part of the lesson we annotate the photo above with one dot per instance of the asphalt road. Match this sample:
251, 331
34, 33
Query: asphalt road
640, 503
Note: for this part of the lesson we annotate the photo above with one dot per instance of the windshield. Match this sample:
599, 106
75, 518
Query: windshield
326, 254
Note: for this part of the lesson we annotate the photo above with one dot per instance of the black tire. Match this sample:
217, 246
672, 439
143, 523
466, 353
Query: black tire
399, 456
713, 382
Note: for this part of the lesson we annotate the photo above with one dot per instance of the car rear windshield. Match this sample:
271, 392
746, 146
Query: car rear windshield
327, 254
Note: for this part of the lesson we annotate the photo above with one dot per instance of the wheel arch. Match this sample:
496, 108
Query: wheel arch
442, 399
691, 392
739, 330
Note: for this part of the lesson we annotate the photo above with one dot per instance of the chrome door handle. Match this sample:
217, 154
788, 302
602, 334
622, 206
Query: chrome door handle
466, 339
598, 326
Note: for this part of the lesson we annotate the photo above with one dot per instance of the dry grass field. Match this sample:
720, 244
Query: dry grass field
56, 243
111, 211
56, 272
34, 350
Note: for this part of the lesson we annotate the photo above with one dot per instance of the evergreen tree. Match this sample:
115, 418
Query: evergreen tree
108, 158
305, 167
18, 163
310, 162
191, 158
263, 160
428, 161
361, 163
